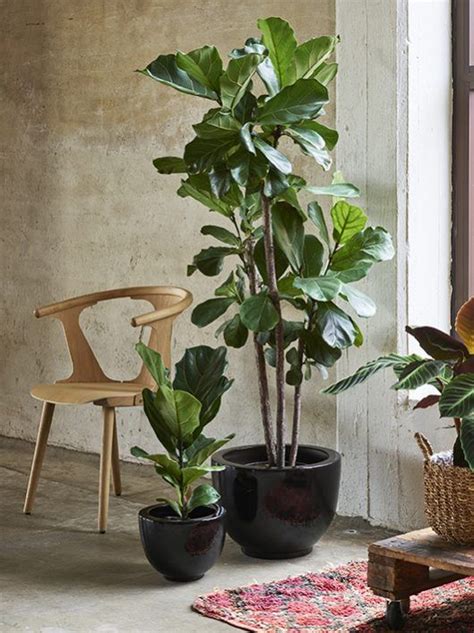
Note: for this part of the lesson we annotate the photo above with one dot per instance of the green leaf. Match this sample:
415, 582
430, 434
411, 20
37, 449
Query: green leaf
198, 187
258, 313
198, 457
313, 255
310, 55
221, 234
302, 100
239, 164
203, 64
210, 310
418, 373
220, 179
267, 74
347, 221
280, 41
276, 184
330, 136
235, 332
220, 125
457, 399
210, 260
247, 139
362, 304
228, 288
165, 70
246, 108
192, 473
236, 78
315, 214
318, 350
467, 440
395, 361
174, 505
312, 144
338, 190
202, 496
170, 165
319, 288
154, 363
289, 233
438, 344
281, 263
163, 430
335, 326
201, 154
181, 410
326, 73
361, 251
170, 466
276, 158
201, 373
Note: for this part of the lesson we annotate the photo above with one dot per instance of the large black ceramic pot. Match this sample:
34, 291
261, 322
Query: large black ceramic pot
182, 549
277, 512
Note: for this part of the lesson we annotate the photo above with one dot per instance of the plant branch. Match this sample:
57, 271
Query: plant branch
295, 433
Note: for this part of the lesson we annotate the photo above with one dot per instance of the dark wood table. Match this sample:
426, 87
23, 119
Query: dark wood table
402, 566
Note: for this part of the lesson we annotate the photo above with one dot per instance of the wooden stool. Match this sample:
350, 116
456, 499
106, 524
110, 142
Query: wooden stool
402, 566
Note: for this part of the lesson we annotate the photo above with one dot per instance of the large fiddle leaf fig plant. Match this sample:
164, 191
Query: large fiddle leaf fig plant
291, 283
449, 369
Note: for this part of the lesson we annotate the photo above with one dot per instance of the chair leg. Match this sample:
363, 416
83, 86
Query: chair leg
40, 448
116, 462
105, 466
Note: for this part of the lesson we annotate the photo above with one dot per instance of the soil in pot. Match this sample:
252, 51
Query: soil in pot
182, 550
278, 512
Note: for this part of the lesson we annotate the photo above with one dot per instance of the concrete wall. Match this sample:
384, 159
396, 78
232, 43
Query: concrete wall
82, 207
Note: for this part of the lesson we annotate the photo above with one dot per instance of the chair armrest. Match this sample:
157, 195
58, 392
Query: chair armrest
164, 313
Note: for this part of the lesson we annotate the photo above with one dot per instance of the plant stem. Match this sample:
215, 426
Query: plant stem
457, 425
264, 393
295, 432
279, 338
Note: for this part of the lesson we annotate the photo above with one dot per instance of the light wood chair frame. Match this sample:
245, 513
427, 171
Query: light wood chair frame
89, 384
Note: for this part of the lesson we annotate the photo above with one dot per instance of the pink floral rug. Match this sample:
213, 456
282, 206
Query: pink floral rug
336, 600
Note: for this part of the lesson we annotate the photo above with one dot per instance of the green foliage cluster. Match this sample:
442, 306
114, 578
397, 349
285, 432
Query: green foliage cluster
178, 412
282, 253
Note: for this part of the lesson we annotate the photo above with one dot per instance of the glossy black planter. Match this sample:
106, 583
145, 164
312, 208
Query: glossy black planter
277, 512
182, 549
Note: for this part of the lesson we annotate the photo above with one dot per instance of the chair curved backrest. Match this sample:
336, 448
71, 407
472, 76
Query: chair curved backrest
168, 303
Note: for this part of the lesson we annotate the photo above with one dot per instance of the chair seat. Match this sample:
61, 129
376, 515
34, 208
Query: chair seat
86, 392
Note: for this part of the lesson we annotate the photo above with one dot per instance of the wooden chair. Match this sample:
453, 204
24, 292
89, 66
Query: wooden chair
88, 383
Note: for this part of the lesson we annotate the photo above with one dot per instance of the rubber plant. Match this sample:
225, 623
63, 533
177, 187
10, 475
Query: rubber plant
285, 258
449, 369
178, 412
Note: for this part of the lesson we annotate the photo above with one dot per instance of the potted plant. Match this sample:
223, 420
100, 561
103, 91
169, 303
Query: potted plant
183, 537
292, 276
449, 369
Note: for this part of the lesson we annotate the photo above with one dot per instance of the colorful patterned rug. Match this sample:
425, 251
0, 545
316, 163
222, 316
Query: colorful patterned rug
336, 600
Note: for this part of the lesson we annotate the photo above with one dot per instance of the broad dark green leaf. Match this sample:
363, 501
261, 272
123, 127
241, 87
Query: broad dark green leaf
310, 55
312, 145
289, 233
267, 74
202, 496
258, 313
154, 363
220, 125
165, 70
326, 73
163, 430
203, 64
315, 214
235, 332
210, 260
438, 344
291, 196
418, 373
280, 41
239, 165
228, 288
169, 465
347, 221
276, 158
337, 190
281, 263
190, 474
204, 451
467, 440
170, 165
313, 255
247, 138
276, 184
236, 78
220, 179
335, 326
369, 245
174, 505
362, 304
319, 288
210, 310
201, 154
319, 351
457, 399
330, 136
246, 108
221, 234
302, 100
198, 187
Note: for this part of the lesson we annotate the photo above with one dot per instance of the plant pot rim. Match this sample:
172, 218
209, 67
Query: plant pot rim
222, 458
146, 514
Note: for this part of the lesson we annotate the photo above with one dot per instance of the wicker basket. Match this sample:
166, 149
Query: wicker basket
449, 497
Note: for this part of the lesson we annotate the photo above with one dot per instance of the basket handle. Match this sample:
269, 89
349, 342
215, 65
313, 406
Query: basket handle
424, 445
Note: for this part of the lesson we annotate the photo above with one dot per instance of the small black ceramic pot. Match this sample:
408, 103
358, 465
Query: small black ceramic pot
277, 512
182, 549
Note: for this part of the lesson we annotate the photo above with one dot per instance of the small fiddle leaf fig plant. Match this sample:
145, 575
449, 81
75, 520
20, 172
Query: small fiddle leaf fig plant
178, 412
291, 286
449, 368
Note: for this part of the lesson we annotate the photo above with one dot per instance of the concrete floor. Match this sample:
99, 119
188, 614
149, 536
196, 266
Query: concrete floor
58, 574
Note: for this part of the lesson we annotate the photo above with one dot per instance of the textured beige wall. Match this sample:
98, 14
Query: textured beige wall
82, 207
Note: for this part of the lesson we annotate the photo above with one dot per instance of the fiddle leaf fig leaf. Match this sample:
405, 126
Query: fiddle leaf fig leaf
337, 190
362, 304
457, 399
281, 262
236, 78
220, 125
210, 260
202, 154
166, 70
198, 187
326, 73
312, 144
246, 138
330, 136
347, 221
280, 41
302, 100
361, 251
258, 313
203, 64
276, 158
170, 165
210, 310
319, 288
154, 363
310, 55
313, 255
467, 440
221, 234
203, 495
315, 214
235, 332
289, 233
335, 326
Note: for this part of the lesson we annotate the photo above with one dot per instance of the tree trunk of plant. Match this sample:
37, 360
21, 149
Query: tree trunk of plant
264, 393
295, 433
279, 338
